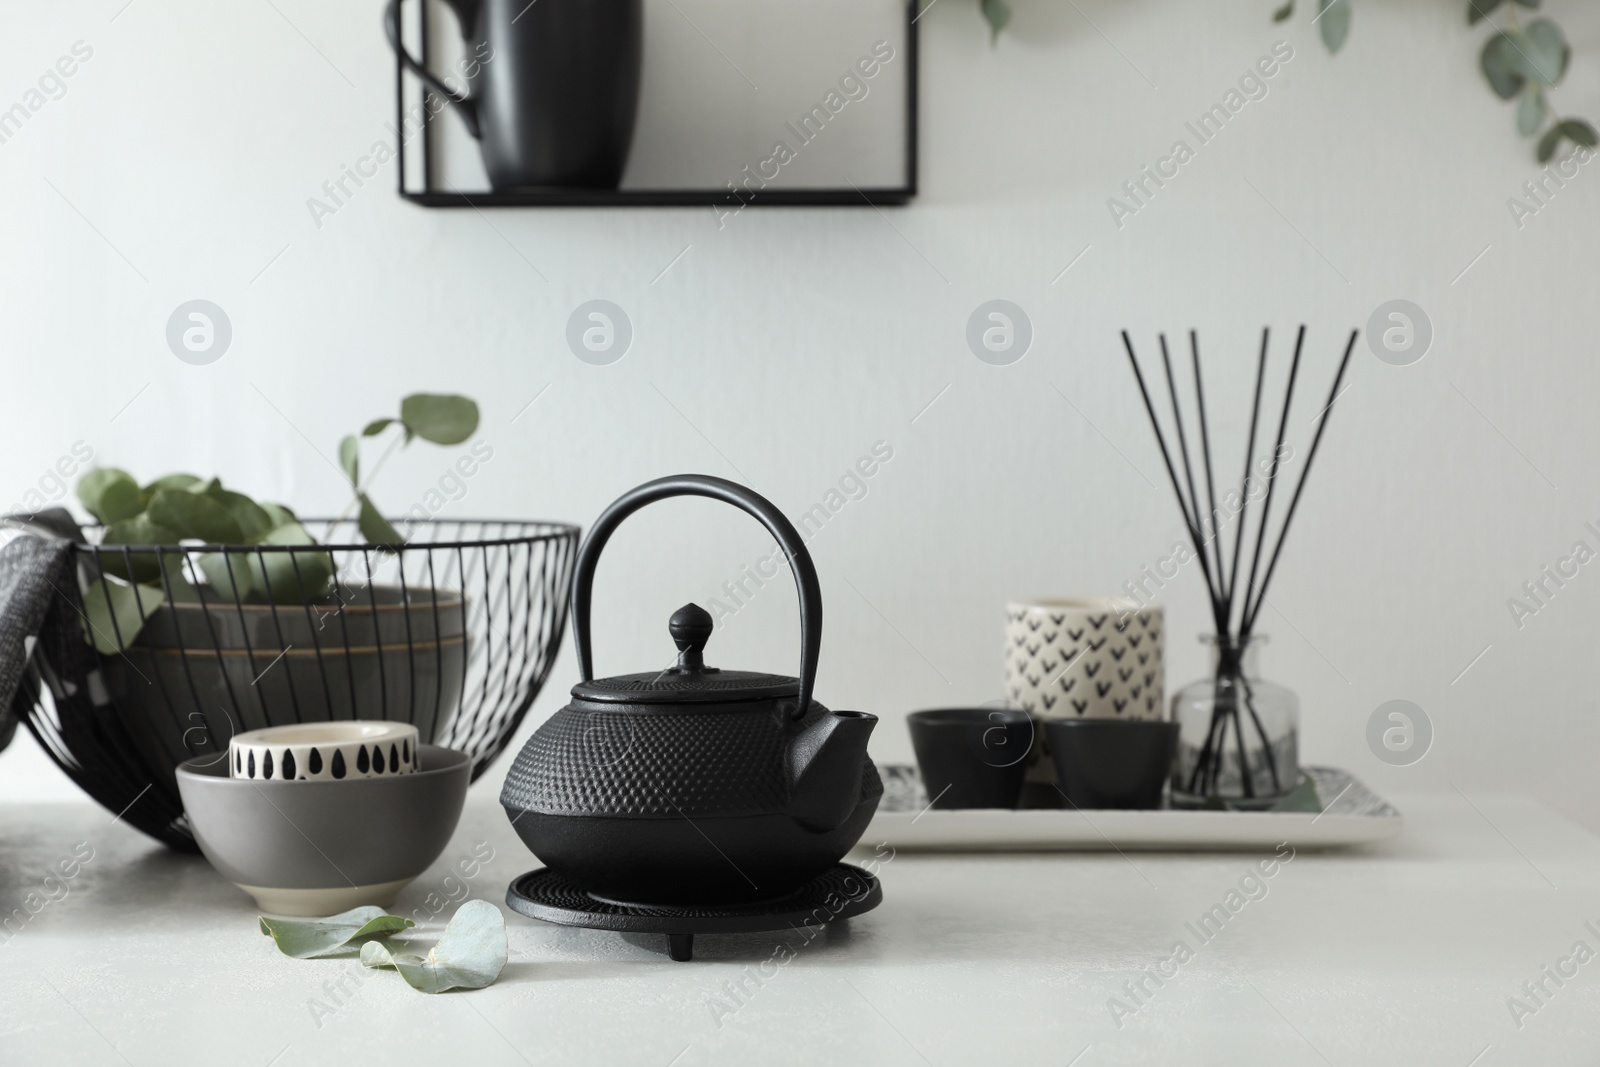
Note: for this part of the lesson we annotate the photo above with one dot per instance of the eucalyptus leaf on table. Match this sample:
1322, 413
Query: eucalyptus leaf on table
309, 939
470, 954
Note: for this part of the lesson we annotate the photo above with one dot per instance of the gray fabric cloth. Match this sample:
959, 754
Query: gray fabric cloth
35, 562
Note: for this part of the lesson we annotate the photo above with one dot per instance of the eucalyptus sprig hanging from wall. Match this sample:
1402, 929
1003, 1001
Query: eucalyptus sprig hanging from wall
1520, 62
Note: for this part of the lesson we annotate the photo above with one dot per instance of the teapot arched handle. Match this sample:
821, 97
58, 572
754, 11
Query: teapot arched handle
805, 574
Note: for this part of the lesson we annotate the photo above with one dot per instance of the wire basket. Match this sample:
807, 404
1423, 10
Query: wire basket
453, 632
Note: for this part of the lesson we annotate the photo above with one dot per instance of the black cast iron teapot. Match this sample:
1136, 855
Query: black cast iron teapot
694, 784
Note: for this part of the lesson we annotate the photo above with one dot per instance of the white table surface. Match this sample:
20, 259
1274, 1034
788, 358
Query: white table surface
1405, 954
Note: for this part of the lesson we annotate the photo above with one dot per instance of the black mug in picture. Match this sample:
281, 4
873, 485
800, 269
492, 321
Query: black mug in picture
552, 87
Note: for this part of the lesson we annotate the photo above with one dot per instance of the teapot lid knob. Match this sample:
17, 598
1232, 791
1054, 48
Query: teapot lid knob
691, 627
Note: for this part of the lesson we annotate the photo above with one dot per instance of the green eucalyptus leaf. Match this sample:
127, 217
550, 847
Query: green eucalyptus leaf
376, 426
231, 579
1215, 803
1539, 52
1333, 20
1504, 78
444, 420
280, 515
254, 520
1283, 13
110, 495
175, 583
998, 14
1529, 3
289, 577
172, 481
139, 530
350, 458
1578, 132
1547, 143
1530, 112
1478, 10
470, 954
1302, 798
374, 527
321, 937
112, 609
195, 515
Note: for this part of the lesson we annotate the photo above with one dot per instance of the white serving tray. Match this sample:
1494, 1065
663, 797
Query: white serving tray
1352, 815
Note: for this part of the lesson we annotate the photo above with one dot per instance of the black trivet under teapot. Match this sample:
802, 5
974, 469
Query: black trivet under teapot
694, 785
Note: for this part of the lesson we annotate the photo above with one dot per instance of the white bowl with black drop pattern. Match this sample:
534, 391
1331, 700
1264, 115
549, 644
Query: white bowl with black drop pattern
324, 751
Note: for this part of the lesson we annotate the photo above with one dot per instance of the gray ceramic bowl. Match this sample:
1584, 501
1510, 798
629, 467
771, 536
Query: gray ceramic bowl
318, 848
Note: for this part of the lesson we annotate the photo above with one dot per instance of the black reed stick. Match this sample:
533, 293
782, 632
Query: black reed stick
1161, 441
1222, 584
1294, 501
1246, 779
1188, 473
1272, 480
1266, 744
1211, 481
1244, 482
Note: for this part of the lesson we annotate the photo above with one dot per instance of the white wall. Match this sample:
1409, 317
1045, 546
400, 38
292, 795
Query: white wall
780, 348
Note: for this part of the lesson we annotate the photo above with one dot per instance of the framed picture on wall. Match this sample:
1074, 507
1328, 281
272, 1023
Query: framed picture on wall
752, 102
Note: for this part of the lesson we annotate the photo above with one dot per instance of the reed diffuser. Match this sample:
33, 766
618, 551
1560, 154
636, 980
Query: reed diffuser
1259, 763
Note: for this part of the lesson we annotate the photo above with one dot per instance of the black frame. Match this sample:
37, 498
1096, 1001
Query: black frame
877, 196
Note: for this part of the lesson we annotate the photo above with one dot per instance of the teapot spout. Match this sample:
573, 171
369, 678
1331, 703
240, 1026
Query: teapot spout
825, 767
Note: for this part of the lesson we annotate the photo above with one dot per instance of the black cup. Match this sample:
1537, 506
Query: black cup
1111, 763
972, 757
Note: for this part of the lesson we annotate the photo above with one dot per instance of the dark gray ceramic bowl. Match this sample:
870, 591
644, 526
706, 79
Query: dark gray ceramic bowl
318, 848
198, 671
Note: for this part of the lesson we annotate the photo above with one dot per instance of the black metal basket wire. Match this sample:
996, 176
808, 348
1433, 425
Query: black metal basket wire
454, 632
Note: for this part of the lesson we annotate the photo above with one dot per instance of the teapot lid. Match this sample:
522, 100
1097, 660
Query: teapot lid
689, 681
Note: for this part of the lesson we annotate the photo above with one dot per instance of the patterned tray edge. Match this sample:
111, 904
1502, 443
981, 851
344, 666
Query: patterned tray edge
903, 793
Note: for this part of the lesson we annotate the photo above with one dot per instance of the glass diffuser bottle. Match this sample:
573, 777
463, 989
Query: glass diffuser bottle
1238, 734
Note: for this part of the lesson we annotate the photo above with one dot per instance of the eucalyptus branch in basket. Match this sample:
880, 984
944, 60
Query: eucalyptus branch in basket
183, 509
444, 420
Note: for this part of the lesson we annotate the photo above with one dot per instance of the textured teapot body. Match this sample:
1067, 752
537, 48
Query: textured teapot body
694, 785
686, 804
